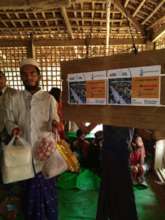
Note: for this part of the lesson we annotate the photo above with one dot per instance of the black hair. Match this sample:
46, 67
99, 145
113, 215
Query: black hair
79, 133
99, 135
55, 92
2, 73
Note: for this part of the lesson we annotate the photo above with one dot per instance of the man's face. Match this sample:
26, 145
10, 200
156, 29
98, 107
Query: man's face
2, 81
30, 77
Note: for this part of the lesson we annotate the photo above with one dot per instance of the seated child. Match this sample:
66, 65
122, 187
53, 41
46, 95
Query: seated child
137, 157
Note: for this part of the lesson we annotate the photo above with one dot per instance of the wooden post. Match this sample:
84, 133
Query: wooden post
30, 48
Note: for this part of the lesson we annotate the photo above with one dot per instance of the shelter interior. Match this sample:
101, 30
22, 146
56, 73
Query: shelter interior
63, 30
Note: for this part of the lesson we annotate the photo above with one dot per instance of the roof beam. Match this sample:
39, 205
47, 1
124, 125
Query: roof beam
138, 8
18, 18
75, 14
82, 13
159, 33
126, 3
30, 22
10, 20
67, 23
22, 4
95, 41
159, 21
72, 42
113, 20
4, 23
108, 15
126, 13
154, 11
55, 20
47, 24
36, 19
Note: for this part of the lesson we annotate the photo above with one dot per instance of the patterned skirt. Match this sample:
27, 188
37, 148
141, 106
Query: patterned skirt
39, 198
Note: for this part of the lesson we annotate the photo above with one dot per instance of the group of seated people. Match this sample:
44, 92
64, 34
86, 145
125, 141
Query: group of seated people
89, 154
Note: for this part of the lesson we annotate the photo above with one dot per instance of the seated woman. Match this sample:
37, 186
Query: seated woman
137, 158
81, 147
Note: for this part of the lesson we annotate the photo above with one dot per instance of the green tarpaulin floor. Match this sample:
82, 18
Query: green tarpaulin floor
78, 198
76, 204
148, 206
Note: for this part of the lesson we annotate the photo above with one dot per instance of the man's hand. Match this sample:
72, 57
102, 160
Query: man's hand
54, 126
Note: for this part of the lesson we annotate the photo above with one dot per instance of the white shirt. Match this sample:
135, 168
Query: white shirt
33, 114
7, 93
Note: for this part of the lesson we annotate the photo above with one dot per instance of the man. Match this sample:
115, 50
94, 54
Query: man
5, 95
116, 198
31, 113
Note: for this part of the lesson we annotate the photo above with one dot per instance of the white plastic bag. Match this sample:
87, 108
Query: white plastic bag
54, 165
59, 159
44, 146
17, 161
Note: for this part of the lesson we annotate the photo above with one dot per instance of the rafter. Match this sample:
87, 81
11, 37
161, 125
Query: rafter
72, 42
154, 11
108, 24
126, 13
9, 18
4, 23
85, 18
36, 19
17, 17
30, 22
67, 23
47, 24
8, 4
159, 33
75, 14
59, 19
126, 3
138, 8
160, 20
55, 20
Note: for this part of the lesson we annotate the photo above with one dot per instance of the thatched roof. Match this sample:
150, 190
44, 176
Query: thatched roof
99, 20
